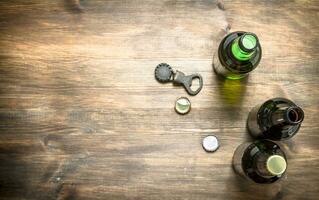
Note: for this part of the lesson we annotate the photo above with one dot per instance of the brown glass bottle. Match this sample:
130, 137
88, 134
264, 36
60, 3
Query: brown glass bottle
261, 161
276, 119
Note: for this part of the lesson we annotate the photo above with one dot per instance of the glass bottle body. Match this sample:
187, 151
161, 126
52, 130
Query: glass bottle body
261, 161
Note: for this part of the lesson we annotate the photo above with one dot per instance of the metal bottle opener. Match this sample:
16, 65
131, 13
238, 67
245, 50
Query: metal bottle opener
164, 73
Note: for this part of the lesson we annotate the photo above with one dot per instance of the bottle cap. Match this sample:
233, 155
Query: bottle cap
182, 105
163, 72
210, 143
248, 42
276, 165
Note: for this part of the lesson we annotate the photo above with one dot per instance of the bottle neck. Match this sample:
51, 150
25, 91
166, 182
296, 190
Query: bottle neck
244, 47
287, 116
268, 166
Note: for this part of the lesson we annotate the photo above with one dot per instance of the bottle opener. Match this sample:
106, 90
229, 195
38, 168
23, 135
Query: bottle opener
164, 73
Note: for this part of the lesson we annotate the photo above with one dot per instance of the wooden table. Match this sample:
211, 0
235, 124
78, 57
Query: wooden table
82, 116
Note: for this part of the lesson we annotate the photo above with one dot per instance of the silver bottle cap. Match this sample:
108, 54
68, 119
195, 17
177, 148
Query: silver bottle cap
210, 143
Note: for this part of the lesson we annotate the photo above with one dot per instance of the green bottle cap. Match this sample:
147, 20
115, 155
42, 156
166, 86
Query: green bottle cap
248, 42
243, 48
276, 165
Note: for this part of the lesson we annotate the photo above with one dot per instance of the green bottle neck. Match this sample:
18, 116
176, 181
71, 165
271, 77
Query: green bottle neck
246, 50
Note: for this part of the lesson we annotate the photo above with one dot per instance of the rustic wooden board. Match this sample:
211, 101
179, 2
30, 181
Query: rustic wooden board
82, 117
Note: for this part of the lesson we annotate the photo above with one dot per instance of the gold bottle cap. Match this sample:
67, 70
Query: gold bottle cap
182, 105
276, 165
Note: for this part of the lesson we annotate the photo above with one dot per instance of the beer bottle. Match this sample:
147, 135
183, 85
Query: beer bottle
261, 161
276, 119
238, 54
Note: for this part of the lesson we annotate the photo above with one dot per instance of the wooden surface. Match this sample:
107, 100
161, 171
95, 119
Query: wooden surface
82, 117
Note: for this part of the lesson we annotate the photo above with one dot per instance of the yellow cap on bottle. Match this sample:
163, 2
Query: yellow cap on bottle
276, 165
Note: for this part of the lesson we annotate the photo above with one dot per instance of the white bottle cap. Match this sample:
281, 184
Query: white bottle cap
210, 143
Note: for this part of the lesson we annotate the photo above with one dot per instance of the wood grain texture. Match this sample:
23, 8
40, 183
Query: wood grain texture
82, 117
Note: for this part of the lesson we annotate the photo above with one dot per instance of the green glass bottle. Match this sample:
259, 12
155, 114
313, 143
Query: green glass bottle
276, 119
261, 161
238, 54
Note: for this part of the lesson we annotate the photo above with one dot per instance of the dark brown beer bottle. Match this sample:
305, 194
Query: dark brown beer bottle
261, 161
276, 119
